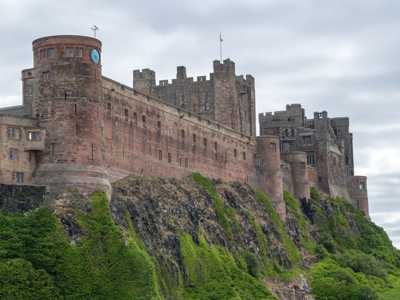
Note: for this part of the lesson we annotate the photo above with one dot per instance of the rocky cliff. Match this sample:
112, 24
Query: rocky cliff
194, 239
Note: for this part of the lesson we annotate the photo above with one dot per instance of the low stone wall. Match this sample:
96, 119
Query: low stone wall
21, 198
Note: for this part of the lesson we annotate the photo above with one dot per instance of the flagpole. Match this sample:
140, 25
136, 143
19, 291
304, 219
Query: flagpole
220, 46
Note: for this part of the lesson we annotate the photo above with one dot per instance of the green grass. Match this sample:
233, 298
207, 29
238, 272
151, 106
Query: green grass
394, 292
211, 272
38, 262
226, 215
292, 252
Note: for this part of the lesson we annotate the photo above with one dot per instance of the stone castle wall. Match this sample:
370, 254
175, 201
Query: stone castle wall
225, 97
20, 139
326, 145
98, 130
95, 131
145, 136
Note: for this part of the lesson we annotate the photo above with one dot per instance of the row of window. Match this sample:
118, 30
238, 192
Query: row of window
182, 131
169, 159
14, 133
48, 53
13, 154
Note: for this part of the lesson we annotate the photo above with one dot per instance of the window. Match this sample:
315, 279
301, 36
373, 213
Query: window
41, 54
194, 139
362, 186
215, 146
46, 76
311, 158
67, 94
244, 155
92, 152
69, 52
51, 53
126, 113
28, 90
183, 134
186, 163
158, 125
272, 147
235, 153
13, 154
144, 120
135, 118
79, 52
52, 150
285, 147
205, 143
286, 132
34, 136
19, 177
13, 133
169, 158
159, 154
307, 139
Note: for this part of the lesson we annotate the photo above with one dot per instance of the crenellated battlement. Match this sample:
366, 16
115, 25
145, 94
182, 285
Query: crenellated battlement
227, 66
325, 146
224, 97
87, 130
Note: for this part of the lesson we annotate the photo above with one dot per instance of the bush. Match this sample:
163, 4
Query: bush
38, 262
20, 280
331, 281
363, 263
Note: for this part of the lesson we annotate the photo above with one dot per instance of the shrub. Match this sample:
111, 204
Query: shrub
331, 281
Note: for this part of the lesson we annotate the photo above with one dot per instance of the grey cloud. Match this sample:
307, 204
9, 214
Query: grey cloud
340, 56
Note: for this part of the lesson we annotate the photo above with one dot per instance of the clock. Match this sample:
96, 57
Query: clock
95, 56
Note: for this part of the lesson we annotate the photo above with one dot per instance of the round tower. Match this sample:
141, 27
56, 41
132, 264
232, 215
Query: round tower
298, 164
359, 193
268, 167
69, 105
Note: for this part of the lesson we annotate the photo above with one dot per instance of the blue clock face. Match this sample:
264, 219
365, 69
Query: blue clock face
95, 56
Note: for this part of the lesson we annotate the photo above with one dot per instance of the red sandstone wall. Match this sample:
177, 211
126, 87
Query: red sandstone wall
269, 173
312, 176
145, 136
298, 166
359, 193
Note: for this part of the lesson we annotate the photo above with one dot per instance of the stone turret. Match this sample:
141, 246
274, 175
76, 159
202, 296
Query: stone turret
225, 97
68, 102
144, 80
298, 164
268, 170
359, 193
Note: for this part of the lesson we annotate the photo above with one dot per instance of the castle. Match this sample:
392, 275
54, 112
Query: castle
77, 128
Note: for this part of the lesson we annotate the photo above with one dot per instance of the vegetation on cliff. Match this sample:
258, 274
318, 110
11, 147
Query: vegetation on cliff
37, 261
195, 239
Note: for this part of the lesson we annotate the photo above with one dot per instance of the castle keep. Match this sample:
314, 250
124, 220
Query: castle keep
77, 128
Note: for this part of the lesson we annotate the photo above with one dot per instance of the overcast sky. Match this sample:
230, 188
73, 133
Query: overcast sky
341, 56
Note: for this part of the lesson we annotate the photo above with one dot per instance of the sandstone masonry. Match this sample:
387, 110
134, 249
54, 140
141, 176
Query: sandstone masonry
77, 128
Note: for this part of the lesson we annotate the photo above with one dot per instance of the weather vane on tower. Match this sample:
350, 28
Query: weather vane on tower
95, 29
